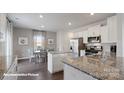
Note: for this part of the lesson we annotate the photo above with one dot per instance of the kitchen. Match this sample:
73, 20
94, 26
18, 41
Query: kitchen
97, 40
92, 48
62, 46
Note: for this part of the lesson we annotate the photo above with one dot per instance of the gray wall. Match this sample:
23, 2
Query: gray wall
23, 50
51, 35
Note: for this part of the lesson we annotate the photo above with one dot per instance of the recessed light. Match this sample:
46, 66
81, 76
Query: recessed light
42, 26
41, 16
69, 23
91, 13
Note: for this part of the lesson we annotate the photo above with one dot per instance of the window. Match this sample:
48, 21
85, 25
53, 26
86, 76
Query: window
39, 40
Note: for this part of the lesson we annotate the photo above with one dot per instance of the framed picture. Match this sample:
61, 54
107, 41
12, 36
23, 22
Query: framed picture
50, 41
23, 41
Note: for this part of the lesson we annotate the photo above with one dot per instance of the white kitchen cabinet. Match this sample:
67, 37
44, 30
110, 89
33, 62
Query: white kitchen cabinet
85, 35
75, 34
78, 34
71, 73
104, 34
112, 28
94, 31
54, 63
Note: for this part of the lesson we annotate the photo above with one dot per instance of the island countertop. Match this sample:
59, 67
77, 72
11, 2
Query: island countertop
59, 52
5, 64
112, 69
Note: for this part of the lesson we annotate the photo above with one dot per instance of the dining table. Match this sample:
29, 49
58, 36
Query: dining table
40, 55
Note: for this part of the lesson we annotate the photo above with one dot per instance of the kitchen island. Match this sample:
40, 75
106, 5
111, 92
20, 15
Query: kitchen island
8, 65
92, 68
54, 61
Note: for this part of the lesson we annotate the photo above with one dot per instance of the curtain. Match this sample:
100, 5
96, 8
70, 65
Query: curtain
9, 39
9, 43
6, 44
39, 39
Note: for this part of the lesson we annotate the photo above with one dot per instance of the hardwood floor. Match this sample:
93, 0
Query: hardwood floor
37, 68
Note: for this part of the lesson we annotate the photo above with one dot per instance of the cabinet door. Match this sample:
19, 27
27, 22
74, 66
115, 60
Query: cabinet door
90, 32
57, 64
94, 31
85, 35
75, 34
112, 28
80, 34
104, 34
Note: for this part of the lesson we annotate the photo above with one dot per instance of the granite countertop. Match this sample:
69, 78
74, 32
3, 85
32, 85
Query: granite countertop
112, 69
59, 52
5, 64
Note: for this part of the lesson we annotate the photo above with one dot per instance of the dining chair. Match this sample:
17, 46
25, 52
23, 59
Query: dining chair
30, 54
43, 55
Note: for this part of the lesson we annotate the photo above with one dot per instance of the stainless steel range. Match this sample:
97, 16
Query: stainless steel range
93, 48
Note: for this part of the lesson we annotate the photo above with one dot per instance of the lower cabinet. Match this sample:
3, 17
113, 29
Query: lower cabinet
71, 73
54, 63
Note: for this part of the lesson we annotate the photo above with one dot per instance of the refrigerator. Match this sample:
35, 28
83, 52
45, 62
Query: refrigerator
77, 47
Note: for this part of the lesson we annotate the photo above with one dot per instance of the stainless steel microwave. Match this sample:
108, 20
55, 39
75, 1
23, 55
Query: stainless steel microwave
96, 39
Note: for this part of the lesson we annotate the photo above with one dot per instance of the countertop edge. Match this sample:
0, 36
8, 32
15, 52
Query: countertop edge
82, 70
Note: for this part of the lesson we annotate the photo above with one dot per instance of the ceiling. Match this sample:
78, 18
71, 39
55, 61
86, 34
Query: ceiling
55, 21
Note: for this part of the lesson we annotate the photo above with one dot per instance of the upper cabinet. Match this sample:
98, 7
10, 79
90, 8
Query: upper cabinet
78, 34
107, 32
85, 35
94, 31
104, 34
112, 28
75, 35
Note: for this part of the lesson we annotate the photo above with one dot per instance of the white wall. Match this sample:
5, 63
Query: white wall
120, 35
19, 50
62, 41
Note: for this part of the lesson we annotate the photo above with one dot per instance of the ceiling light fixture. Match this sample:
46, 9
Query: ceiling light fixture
41, 16
69, 23
42, 26
91, 13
